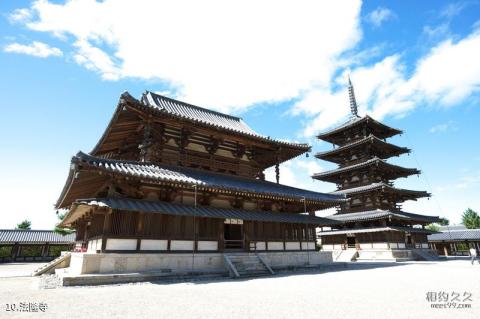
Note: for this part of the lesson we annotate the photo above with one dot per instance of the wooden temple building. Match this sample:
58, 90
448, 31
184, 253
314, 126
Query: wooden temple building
371, 224
168, 179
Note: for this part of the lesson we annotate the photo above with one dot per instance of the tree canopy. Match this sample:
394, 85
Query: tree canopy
433, 227
26, 224
470, 219
61, 230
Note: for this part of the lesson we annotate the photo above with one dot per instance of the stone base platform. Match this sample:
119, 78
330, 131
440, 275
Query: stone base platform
384, 255
104, 268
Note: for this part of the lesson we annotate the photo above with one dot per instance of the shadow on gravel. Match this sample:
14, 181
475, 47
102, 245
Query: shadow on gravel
337, 267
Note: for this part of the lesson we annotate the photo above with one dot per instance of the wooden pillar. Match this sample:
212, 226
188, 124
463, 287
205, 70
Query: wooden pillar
221, 242
195, 233
139, 230
107, 222
15, 251
445, 250
45, 251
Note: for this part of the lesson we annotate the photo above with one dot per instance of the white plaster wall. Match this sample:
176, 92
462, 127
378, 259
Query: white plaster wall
249, 205
275, 245
401, 245
220, 203
121, 244
181, 245
292, 245
424, 245
327, 247
153, 244
224, 153
393, 245
308, 245
365, 246
380, 246
196, 147
207, 245
260, 245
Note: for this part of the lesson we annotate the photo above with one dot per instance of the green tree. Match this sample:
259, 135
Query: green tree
433, 227
26, 224
471, 219
62, 230
444, 221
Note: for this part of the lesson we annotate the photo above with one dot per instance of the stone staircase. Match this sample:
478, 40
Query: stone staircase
425, 254
346, 255
49, 268
246, 265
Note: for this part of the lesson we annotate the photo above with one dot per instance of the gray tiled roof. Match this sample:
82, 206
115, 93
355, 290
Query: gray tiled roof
34, 236
367, 163
373, 230
199, 211
369, 139
185, 110
358, 120
456, 235
205, 179
380, 214
382, 186
205, 116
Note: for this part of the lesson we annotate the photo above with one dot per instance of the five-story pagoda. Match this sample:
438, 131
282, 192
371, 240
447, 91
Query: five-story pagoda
372, 222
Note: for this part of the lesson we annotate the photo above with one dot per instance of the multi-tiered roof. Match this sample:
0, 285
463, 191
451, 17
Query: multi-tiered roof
363, 174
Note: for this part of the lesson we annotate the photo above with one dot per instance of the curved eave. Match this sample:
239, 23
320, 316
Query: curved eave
380, 165
287, 150
108, 168
342, 219
336, 155
337, 133
384, 188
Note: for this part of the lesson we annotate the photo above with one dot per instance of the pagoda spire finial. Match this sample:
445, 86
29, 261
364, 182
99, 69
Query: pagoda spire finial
353, 101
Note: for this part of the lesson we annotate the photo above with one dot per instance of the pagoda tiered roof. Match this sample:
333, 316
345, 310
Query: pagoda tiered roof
404, 194
131, 115
375, 229
380, 165
97, 169
379, 148
381, 214
337, 135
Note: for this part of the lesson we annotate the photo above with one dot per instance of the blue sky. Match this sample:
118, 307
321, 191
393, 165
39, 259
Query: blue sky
280, 65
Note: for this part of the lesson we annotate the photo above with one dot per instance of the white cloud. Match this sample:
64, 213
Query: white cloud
454, 9
219, 54
20, 15
445, 76
38, 49
444, 127
379, 15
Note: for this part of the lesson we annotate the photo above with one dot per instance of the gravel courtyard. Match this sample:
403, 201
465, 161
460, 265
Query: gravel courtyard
356, 291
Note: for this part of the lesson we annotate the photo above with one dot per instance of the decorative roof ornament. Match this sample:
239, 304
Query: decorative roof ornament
353, 101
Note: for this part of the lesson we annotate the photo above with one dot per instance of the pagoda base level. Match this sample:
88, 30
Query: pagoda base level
382, 255
181, 264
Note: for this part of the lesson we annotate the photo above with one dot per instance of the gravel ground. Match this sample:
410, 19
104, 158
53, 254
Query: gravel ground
356, 291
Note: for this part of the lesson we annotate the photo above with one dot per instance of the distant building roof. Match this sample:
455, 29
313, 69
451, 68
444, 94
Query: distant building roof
452, 227
456, 235
10, 236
